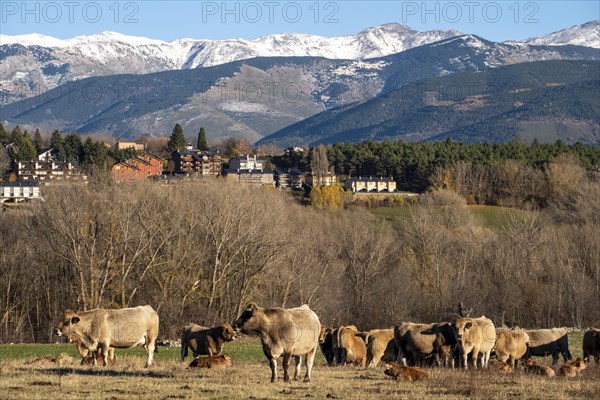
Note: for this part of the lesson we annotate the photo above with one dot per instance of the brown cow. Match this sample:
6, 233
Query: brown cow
326, 344
291, 332
380, 346
401, 372
532, 368
86, 356
591, 345
205, 341
511, 345
335, 346
352, 348
101, 329
544, 342
501, 366
222, 361
573, 369
474, 336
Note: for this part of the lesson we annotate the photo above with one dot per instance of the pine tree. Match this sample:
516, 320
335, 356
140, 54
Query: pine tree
23, 149
38, 141
201, 143
3, 134
177, 140
57, 143
73, 147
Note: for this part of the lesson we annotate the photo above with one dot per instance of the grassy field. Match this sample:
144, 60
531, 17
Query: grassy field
490, 216
22, 377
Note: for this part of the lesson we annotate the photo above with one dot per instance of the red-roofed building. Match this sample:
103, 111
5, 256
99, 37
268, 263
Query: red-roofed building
138, 168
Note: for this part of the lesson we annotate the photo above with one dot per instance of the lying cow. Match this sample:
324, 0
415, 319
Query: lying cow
101, 329
205, 341
326, 345
86, 356
419, 342
573, 369
213, 362
404, 373
532, 368
544, 342
591, 345
474, 336
511, 345
352, 347
292, 332
381, 347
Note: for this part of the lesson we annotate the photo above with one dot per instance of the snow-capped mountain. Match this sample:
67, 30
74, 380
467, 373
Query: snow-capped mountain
32, 64
587, 34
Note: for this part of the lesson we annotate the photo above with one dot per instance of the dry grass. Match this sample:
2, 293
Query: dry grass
170, 379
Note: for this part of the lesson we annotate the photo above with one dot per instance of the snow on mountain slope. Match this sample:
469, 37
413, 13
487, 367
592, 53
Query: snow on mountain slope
587, 34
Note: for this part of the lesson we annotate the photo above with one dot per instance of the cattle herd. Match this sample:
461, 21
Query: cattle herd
296, 332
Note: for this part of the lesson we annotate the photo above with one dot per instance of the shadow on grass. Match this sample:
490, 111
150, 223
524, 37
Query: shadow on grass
99, 372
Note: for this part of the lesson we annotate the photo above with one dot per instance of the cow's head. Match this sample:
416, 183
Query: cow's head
227, 332
248, 321
323, 334
67, 324
461, 329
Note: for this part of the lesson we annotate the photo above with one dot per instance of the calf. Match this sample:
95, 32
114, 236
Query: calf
532, 368
222, 361
401, 372
573, 368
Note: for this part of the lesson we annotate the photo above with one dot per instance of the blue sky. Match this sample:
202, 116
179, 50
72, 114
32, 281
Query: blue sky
169, 20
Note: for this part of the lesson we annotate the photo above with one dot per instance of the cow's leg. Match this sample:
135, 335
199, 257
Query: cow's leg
310, 359
297, 364
273, 365
104, 351
184, 349
286, 365
401, 359
474, 356
486, 358
150, 349
555, 358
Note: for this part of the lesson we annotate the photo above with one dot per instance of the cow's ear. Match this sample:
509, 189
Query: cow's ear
75, 319
468, 325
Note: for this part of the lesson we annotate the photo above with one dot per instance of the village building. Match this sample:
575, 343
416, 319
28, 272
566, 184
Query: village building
370, 184
48, 170
288, 179
137, 168
249, 170
196, 162
16, 191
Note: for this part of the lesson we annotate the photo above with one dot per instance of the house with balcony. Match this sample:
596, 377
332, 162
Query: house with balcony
378, 185
18, 191
196, 163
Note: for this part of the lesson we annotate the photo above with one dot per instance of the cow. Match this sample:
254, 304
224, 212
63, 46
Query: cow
335, 346
101, 329
544, 342
222, 361
423, 341
474, 336
292, 332
591, 345
573, 369
352, 347
326, 345
86, 356
511, 345
205, 341
501, 366
380, 346
532, 368
401, 372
